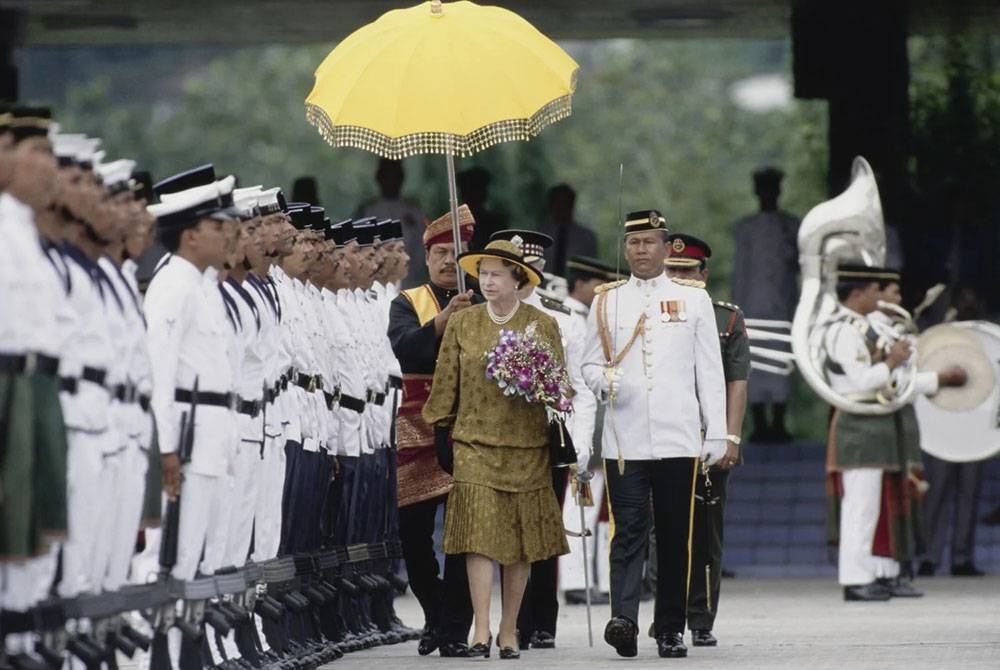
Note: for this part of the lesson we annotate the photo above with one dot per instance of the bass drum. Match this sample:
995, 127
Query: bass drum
961, 424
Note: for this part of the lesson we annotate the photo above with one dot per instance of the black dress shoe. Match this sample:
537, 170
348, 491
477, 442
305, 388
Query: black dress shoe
899, 588
926, 569
703, 638
621, 633
866, 592
453, 650
671, 645
542, 640
481, 648
428, 643
509, 653
967, 569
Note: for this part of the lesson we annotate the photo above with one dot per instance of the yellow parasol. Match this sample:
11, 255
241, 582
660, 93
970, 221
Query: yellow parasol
451, 79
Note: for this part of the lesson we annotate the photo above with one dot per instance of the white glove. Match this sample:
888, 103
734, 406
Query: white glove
612, 381
582, 460
713, 450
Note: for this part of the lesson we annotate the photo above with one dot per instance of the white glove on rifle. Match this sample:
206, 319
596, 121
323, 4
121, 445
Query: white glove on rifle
713, 450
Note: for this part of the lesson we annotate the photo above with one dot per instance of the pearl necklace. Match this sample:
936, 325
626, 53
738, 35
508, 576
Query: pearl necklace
501, 320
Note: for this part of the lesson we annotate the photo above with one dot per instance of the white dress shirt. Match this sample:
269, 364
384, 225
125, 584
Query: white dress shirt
187, 341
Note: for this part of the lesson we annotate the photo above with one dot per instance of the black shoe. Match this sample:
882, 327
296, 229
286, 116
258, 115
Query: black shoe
926, 569
542, 640
779, 435
899, 588
866, 592
453, 650
703, 638
728, 574
428, 643
967, 569
671, 645
481, 648
523, 641
510, 653
579, 597
621, 633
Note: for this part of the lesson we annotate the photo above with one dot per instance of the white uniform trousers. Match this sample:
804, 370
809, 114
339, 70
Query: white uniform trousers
267, 516
859, 510
88, 504
571, 575
127, 517
246, 488
202, 525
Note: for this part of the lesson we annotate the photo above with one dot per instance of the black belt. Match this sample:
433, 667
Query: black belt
144, 402
351, 403
26, 364
332, 398
68, 384
395, 382
94, 375
250, 407
309, 382
227, 400
376, 397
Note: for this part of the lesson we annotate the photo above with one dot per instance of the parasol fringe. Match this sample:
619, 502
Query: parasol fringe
437, 142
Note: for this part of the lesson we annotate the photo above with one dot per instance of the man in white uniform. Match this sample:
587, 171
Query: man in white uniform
652, 355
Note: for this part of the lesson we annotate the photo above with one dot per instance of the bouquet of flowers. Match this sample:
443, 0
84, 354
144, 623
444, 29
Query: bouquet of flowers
522, 365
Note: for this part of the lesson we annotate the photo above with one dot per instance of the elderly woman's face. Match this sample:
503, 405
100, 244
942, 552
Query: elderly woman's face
496, 280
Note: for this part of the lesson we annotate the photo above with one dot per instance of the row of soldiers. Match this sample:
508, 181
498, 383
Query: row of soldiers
249, 395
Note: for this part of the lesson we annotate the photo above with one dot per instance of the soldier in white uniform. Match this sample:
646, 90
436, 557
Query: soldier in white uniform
585, 275
540, 608
35, 317
861, 448
187, 337
653, 356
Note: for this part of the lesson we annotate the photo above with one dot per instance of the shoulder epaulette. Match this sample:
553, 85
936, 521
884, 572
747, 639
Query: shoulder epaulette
728, 305
693, 283
555, 305
610, 286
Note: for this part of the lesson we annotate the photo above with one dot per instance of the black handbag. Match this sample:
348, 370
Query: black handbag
443, 449
562, 453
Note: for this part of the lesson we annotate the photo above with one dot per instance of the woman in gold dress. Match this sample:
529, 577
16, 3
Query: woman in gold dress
502, 507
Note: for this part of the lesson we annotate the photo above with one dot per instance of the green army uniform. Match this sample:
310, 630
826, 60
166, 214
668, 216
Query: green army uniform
709, 512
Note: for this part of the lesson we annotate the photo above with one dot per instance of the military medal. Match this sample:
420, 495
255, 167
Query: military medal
672, 310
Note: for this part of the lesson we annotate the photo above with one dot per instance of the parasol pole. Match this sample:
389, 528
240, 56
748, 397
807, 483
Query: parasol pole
455, 232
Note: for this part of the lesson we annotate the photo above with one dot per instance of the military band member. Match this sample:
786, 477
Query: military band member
653, 356
688, 263
417, 319
861, 449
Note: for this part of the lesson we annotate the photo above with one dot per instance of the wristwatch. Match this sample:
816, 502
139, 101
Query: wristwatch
735, 439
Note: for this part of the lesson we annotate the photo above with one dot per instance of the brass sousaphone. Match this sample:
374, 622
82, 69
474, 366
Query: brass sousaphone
847, 227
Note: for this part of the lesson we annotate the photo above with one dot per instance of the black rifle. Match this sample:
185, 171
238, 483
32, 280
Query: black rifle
172, 515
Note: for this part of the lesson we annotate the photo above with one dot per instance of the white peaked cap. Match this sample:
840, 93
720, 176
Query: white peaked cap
115, 172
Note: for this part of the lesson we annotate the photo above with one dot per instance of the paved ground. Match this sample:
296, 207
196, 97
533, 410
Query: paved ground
776, 623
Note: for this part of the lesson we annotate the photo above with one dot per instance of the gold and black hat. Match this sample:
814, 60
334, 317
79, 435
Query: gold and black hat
860, 272
643, 220
507, 250
25, 122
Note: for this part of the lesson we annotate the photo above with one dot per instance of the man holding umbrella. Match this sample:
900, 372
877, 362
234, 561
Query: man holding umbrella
417, 318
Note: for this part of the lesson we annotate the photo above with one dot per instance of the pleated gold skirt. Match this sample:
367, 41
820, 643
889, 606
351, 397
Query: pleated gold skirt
502, 505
